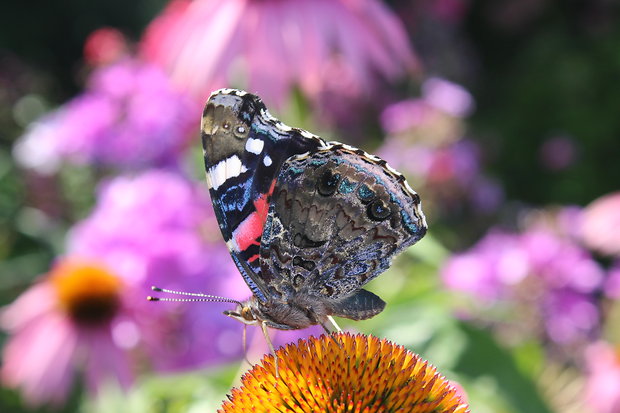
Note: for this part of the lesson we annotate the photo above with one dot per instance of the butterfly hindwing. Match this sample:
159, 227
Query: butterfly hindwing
244, 148
337, 218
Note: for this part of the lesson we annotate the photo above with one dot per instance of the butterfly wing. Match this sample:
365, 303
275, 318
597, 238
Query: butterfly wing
337, 218
244, 149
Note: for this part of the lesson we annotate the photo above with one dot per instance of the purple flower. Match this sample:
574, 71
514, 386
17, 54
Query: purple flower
558, 153
561, 262
276, 45
449, 97
130, 116
489, 269
537, 269
425, 140
612, 283
569, 315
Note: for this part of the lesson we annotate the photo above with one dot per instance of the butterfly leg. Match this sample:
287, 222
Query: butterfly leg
263, 326
336, 327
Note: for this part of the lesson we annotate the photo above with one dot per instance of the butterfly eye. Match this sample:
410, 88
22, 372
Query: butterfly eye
246, 313
328, 183
240, 131
378, 211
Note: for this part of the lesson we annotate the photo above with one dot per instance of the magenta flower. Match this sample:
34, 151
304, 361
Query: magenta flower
537, 269
130, 116
569, 315
602, 391
489, 269
272, 46
601, 224
612, 283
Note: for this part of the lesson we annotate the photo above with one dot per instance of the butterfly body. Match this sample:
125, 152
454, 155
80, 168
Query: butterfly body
307, 222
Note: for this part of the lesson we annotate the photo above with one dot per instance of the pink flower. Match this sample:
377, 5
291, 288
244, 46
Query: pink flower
603, 380
601, 224
272, 46
64, 321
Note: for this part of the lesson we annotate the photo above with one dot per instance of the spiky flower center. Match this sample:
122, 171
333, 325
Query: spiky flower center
345, 373
86, 290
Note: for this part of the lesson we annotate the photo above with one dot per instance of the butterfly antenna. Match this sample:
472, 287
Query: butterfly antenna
199, 296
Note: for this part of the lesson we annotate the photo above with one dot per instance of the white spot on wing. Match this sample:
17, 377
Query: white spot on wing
267, 160
232, 245
254, 146
283, 127
224, 170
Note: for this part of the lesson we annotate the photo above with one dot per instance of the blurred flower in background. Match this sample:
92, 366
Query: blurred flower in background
270, 47
601, 225
130, 116
63, 323
602, 390
153, 229
426, 140
542, 278
105, 46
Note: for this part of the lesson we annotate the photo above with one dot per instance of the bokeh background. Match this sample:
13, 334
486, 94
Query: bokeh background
502, 114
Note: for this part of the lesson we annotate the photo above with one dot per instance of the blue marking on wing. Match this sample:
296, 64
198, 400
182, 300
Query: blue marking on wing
408, 223
237, 197
346, 186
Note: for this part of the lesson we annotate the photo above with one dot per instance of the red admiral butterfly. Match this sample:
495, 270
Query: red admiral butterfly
307, 222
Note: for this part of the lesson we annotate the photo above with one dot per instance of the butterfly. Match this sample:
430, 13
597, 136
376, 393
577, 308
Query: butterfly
307, 222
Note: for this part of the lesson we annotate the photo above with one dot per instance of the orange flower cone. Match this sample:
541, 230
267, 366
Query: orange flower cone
344, 373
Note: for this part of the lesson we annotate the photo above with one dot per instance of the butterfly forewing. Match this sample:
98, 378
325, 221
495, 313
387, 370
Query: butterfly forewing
244, 149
